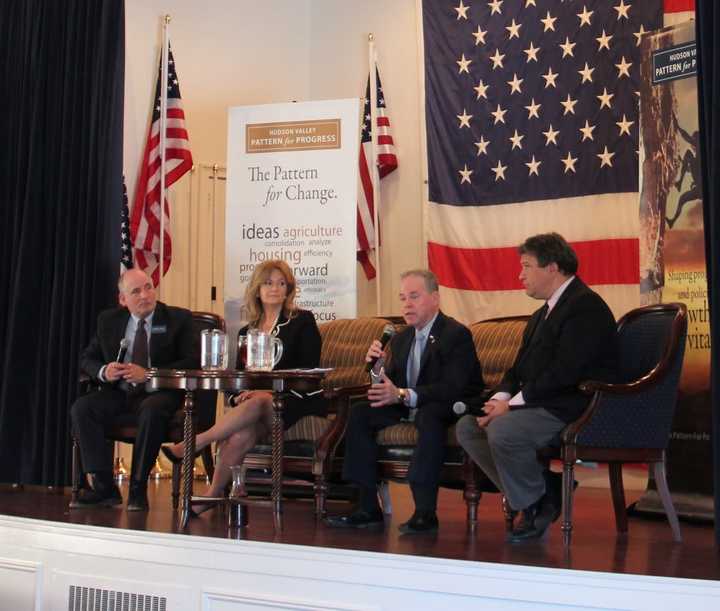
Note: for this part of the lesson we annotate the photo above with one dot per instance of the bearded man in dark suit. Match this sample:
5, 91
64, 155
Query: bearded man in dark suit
158, 335
433, 364
570, 339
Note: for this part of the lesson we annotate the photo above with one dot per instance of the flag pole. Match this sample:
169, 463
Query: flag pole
374, 173
163, 134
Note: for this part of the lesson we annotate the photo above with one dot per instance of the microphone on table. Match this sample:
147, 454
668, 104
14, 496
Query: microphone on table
124, 344
388, 332
461, 408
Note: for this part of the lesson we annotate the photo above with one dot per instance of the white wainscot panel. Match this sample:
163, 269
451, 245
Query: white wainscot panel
19, 584
234, 601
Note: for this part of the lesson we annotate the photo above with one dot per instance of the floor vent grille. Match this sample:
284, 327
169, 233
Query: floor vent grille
81, 598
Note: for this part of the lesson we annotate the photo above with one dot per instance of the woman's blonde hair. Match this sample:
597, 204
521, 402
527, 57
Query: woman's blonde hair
260, 275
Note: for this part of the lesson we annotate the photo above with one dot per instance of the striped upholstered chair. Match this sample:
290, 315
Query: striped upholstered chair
311, 443
497, 341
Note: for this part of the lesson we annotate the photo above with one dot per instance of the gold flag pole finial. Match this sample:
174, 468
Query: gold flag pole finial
371, 37
167, 19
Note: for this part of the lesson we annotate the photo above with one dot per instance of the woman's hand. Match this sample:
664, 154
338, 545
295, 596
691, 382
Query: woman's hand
238, 398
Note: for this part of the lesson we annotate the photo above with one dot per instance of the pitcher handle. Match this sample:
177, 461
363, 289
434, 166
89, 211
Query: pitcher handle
277, 350
241, 353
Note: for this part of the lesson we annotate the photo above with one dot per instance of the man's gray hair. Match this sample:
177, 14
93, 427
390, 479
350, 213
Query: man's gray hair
431, 283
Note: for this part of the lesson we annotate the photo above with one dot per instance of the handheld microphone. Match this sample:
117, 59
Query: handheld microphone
124, 344
388, 332
460, 408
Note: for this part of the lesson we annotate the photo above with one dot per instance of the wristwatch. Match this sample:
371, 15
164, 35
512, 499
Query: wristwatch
402, 395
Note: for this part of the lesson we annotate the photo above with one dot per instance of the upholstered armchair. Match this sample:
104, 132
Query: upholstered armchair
631, 420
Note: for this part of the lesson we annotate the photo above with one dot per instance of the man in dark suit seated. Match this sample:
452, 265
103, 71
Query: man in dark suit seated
568, 340
157, 336
433, 365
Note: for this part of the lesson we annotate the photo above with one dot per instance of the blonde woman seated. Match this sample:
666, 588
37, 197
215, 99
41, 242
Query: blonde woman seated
270, 302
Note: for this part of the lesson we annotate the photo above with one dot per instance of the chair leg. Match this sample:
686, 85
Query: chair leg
618, 496
471, 493
509, 514
472, 499
176, 472
662, 486
321, 491
567, 500
76, 472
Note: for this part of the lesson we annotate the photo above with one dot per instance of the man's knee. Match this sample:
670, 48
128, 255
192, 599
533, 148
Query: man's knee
503, 433
152, 414
467, 430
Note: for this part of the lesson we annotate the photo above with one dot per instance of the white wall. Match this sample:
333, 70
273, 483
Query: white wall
339, 61
232, 52
228, 53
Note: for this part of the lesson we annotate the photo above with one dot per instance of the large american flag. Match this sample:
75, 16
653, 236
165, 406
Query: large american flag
145, 215
386, 162
531, 115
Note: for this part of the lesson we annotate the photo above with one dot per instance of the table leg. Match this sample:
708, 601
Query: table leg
277, 455
188, 458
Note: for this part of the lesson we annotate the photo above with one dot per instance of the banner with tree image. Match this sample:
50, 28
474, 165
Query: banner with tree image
672, 257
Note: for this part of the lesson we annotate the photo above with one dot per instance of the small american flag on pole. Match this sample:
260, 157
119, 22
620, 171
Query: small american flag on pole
145, 216
386, 162
126, 258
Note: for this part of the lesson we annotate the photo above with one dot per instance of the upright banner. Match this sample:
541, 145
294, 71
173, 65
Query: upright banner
292, 195
672, 257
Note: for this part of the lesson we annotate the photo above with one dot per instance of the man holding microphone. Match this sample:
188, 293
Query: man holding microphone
139, 334
433, 364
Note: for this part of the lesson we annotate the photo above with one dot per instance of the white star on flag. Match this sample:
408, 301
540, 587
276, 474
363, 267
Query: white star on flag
462, 11
606, 158
465, 174
533, 167
499, 170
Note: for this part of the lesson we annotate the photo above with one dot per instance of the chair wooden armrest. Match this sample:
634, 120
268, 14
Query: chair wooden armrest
591, 387
344, 392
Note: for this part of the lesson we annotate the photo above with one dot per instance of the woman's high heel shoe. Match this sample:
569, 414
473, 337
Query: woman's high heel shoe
201, 509
167, 452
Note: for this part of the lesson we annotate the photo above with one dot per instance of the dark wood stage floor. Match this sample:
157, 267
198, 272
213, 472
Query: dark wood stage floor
648, 549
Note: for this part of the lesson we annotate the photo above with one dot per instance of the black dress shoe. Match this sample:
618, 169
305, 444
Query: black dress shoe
101, 497
359, 519
420, 522
535, 520
170, 456
137, 498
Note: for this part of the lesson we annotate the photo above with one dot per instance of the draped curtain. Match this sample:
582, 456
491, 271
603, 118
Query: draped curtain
61, 114
707, 26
